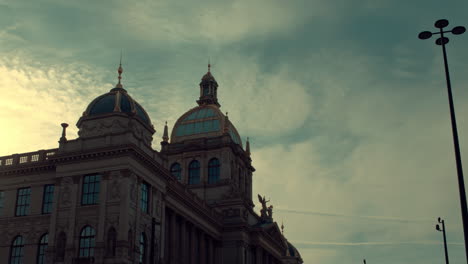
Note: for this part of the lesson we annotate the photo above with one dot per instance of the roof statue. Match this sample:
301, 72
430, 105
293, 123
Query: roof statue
266, 213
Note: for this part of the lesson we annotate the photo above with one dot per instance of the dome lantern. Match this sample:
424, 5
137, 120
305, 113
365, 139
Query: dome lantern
208, 89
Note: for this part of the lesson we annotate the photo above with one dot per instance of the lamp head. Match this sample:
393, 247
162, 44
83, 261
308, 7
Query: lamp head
425, 35
458, 30
442, 41
438, 228
441, 23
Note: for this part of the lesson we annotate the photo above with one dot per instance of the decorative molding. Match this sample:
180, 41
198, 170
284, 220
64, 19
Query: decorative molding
65, 192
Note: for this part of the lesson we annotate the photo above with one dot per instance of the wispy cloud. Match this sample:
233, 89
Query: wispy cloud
311, 244
37, 98
377, 218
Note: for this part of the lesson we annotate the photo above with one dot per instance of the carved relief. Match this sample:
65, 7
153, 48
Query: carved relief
115, 185
113, 220
231, 212
101, 127
66, 189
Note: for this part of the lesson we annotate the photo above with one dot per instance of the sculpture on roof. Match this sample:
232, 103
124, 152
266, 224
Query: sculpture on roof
266, 213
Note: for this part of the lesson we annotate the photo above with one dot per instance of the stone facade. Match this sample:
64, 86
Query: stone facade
139, 211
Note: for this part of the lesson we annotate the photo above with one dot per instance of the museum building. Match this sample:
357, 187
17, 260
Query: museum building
109, 197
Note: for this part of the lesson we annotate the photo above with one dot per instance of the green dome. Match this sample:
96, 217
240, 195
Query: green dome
203, 121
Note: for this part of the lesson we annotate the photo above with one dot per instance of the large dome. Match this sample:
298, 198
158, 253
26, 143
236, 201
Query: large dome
201, 122
117, 101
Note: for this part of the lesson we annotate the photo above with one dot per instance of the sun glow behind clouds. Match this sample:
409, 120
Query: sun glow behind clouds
37, 98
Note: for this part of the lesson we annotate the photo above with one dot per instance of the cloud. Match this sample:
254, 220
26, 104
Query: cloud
311, 244
37, 98
378, 168
213, 22
368, 217
273, 103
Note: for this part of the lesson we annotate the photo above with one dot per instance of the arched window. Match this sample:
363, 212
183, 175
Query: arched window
16, 251
176, 171
111, 241
61, 243
206, 89
87, 242
213, 170
194, 172
41, 248
142, 248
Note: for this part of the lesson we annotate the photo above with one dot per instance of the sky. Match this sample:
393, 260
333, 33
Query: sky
346, 109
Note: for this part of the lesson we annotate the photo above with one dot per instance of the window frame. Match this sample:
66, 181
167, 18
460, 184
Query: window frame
214, 170
142, 248
23, 205
41, 248
176, 170
16, 259
145, 197
88, 251
194, 171
91, 197
46, 196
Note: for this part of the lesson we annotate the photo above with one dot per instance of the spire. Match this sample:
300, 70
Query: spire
120, 70
247, 149
282, 228
165, 135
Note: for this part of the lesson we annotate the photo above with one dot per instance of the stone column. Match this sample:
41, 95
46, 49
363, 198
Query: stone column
100, 250
183, 241
172, 238
202, 248
137, 232
195, 254
50, 252
70, 251
259, 255
163, 230
210, 251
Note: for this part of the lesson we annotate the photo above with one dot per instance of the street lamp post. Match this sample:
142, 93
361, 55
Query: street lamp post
445, 237
441, 24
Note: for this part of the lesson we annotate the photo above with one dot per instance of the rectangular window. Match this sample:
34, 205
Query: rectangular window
2, 201
144, 197
23, 200
48, 199
90, 193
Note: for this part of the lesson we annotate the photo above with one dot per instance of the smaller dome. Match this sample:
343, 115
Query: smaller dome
203, 121
117, 100
208, 77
